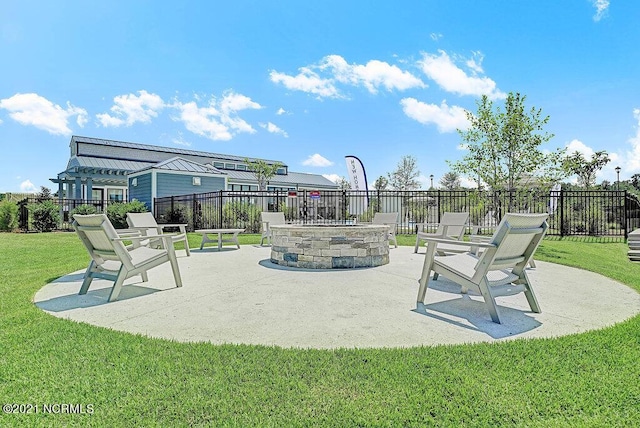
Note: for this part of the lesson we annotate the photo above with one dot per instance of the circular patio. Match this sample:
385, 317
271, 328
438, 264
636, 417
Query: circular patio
241, 297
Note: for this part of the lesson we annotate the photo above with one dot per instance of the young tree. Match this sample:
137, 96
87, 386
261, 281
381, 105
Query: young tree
381, 183
405, 177
451, 181
262, 171
504, 146
585, 169
343, 183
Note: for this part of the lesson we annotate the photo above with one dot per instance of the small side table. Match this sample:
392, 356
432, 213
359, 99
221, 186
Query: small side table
220, 239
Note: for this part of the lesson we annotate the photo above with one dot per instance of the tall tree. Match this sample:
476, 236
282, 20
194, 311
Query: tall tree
451, 181
586, 170
381, 183
405, 176
504, 145
263, 171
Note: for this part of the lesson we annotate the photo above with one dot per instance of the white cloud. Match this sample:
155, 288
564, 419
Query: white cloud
317, 160
441, 69
129, 109
320, 79
181, 142
274, 129
602, 7
306, 81
218, 120
32, 109
333, 177
373, 75
475, 63
28, 187
281, 111
580, 147
446, 118
435, 36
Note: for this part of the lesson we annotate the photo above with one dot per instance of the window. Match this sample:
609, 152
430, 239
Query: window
116, 195
219, 165
230, 166
281, 171
241, 167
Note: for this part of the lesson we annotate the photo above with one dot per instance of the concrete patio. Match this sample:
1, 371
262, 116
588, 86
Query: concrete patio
238, 296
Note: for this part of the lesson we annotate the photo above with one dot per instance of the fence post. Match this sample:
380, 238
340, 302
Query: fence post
561, 208
626, 217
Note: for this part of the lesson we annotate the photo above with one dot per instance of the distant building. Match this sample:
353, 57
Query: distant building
108, 170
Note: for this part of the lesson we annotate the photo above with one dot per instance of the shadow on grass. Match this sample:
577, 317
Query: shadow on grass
94, 297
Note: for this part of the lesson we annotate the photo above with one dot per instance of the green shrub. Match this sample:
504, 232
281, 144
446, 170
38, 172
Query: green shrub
45, 214
241, 215
84, 210
117, 212
8, 216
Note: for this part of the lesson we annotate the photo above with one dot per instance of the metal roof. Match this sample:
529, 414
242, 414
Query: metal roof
179, 164
292, 178
177, 151
103, 163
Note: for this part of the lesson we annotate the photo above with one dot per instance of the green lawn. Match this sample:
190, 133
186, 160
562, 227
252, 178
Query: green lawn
590, 379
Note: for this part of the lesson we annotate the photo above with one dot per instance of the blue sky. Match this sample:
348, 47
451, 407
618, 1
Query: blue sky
308, 82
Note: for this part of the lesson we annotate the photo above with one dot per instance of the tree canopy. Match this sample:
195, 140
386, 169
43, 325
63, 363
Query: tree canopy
262, 171
405, 176
504, 145
586, 170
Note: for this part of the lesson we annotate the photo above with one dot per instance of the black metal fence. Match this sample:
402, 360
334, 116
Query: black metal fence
572, 213
64, 208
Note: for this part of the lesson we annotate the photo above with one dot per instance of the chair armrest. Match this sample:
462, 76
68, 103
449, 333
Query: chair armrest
131, 232
456, 242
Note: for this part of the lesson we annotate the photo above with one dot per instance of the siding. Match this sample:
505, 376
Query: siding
142, 191
180, 184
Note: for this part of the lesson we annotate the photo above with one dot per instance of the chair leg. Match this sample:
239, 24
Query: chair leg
87, 278
426, 270
174, 267
415, 249
117, 285
489, 301
530, 295
186, 245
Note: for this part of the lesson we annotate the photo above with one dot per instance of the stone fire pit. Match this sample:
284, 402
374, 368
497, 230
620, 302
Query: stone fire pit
330, 246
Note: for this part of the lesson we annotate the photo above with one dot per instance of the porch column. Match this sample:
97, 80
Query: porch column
60, 204
89, 188
78, 188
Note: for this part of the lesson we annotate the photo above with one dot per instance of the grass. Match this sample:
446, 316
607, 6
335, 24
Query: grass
589, 379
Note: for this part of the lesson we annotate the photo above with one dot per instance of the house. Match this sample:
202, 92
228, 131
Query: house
106, 170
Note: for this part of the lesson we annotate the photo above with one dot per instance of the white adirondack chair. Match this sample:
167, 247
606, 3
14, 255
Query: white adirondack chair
499, 270
451, 226
389, 219
147, 225
268, 219
111, 260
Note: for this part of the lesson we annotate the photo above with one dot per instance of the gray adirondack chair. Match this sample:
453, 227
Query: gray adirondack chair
112, 260
499, 269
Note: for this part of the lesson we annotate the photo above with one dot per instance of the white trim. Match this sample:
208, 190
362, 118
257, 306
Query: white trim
154, 188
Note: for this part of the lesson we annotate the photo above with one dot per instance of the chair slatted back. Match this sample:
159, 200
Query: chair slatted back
272, 218
97, 234
385, 218
453, 224
147, 220
516, 239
